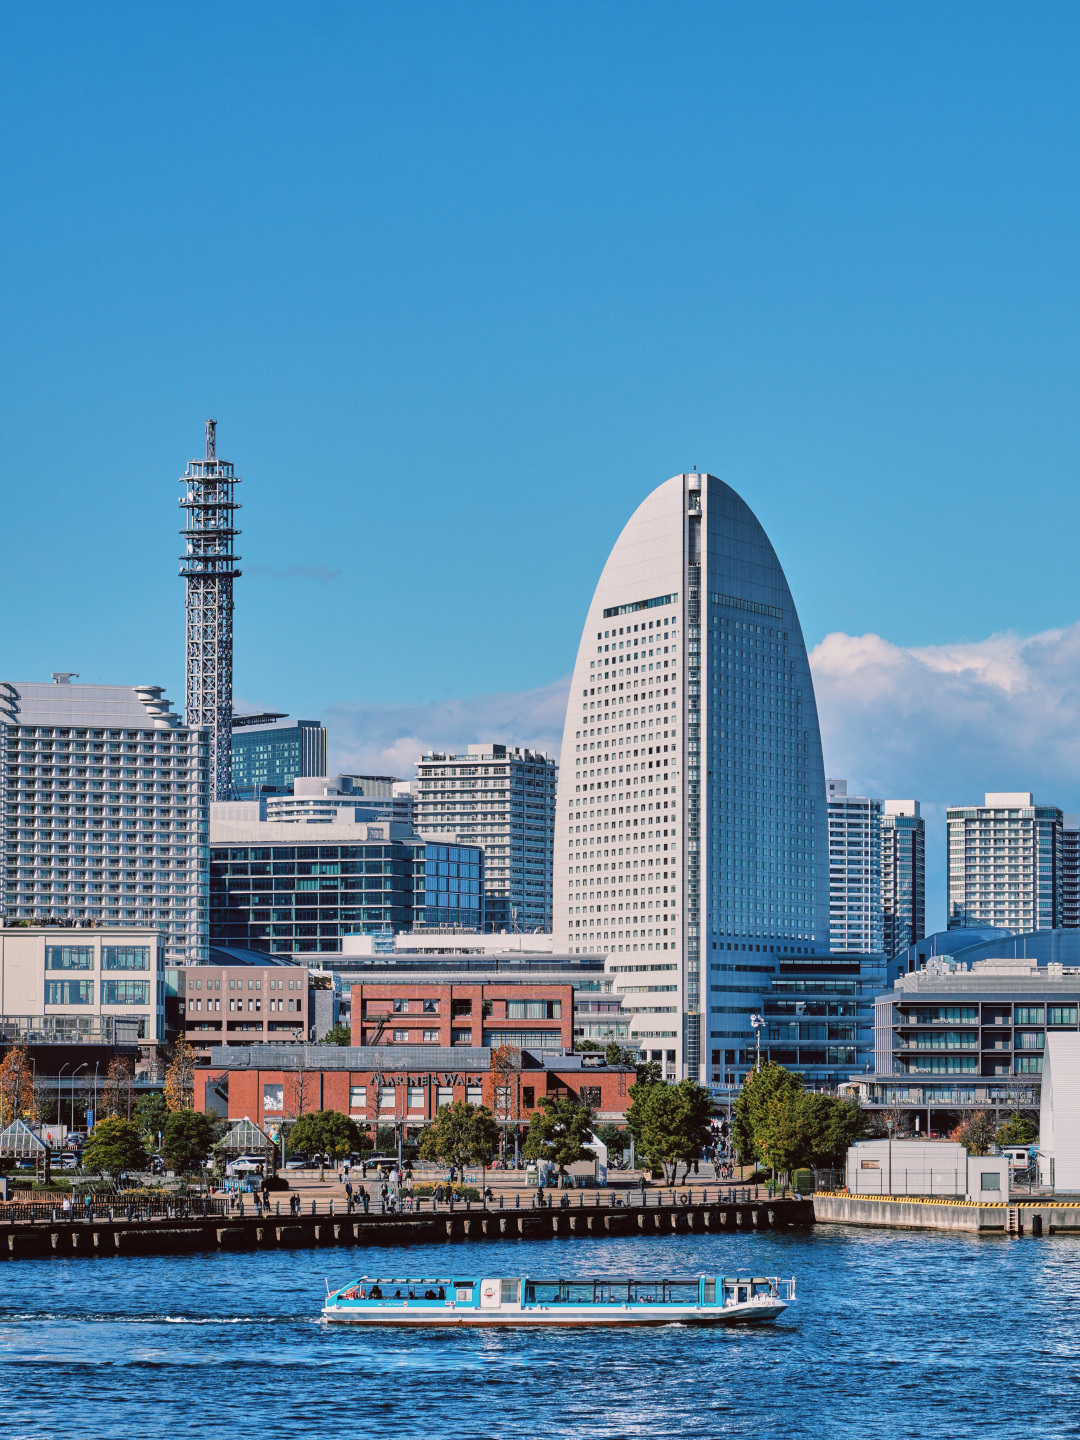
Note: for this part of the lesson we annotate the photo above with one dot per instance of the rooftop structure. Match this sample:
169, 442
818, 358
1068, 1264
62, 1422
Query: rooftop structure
209, 567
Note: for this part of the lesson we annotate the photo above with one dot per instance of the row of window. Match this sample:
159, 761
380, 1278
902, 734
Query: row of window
113, 957
113, 992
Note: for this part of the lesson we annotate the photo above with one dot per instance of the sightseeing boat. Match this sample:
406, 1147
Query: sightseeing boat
573, 1300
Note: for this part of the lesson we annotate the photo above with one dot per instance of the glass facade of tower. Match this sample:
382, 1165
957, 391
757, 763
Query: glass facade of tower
691, 812
266, 759
903, 875
301, 899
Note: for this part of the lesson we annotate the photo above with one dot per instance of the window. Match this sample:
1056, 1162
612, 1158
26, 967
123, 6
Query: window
388, 1099
69, 992
991, 1180
474, 1094
401, 1007
590, 1095
69, 957
534, 1009
1029, 1064
444, 1097
528, 1097
431, 1037
461, 1007
126, 992
416, 1097
401, 1036
460, 1037
127, 957
431, 1007
1030, 1015
1061, 1015
1029, 1040
274, 1098
357, 1097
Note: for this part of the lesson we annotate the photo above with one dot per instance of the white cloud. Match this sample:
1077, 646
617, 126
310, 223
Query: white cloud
945, 723
388, 740
948, 722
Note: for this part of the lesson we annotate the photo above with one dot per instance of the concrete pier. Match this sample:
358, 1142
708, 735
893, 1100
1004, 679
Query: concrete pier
1025, 1217
45, 1238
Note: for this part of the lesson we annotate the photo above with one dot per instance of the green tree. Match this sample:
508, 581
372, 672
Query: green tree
337, 1035
752, 1107
778, 1135
828, 1126
616, 1140
186, 1139
461, 1135
649, 1072
114, 1146
324, 1132
559, 1131
151, 1112
975, 1133
1016, 1130
669, 1123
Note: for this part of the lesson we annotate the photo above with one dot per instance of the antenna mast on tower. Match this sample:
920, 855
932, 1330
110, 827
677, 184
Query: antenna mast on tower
209, 567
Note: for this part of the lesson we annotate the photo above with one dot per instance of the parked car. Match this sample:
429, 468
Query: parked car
298, 1162
65, 1161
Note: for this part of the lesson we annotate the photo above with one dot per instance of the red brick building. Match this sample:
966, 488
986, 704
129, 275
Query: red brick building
467, 1013
387, 1092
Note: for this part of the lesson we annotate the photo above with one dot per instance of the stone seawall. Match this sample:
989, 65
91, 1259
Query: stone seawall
1024, 1218
30, 1238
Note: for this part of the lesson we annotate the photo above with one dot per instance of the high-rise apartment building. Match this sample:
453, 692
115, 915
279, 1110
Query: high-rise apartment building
1069, 888
502, 798
691, 825
268, 754
903, 874
1005, 863
855, 919
105, 810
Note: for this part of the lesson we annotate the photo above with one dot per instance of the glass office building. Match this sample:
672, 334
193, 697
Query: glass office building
268, 754
691, 825
903, 874
303, 899
855, 911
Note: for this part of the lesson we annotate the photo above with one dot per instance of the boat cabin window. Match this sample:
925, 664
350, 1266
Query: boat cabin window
463, 1291
509, 1293
709, 1297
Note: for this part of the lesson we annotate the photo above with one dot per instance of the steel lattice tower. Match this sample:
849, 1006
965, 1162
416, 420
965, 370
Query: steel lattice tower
209, 567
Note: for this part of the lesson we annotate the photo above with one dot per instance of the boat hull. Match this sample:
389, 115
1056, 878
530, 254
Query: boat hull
561, 1315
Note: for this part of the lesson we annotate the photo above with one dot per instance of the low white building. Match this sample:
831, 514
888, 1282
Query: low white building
925, 1168
104, 984
1059, 1112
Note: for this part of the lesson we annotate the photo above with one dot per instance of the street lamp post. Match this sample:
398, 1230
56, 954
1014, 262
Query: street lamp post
60, 1094
758, 1022
85, 1066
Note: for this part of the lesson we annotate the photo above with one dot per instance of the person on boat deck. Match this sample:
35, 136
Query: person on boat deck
397, 1294
376, 1292
442, 1292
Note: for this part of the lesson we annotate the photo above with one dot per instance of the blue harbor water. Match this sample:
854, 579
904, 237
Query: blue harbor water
894, 1334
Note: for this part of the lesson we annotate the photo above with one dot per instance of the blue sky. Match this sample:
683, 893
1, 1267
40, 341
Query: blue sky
462, 284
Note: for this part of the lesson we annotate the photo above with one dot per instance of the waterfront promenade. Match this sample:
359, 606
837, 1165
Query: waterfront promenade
182, 1226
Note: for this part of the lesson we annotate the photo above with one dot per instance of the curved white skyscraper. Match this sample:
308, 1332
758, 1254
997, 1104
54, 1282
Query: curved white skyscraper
691, 825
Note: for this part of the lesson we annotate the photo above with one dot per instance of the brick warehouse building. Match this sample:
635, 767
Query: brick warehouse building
450, 1014
399, 1085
